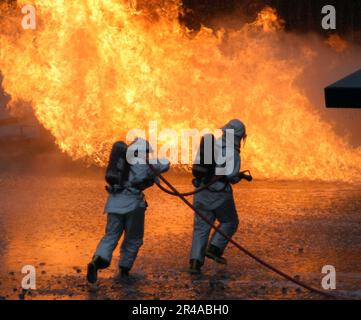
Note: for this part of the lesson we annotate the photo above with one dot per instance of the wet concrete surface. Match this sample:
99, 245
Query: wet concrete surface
53, 221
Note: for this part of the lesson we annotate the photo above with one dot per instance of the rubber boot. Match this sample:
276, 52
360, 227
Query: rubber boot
96, 264
124, 272
194, 266
215, 254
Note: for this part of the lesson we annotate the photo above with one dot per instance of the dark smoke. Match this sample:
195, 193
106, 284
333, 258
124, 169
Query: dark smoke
300, 16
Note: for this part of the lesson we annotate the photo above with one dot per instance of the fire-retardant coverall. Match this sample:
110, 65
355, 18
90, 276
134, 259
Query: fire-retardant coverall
217, 201
125, 212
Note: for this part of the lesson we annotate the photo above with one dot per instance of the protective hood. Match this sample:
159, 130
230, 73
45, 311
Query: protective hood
239, 132
238, 127
141, 145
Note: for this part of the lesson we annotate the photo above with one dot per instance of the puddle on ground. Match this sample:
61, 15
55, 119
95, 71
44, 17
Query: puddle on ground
54, 222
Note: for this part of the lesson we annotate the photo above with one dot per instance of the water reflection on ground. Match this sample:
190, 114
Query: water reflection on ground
53, 221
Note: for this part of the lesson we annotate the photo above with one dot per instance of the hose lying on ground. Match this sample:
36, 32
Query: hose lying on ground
175, 192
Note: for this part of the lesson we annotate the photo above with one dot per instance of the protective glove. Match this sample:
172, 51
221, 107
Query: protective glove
196, 183
145, 184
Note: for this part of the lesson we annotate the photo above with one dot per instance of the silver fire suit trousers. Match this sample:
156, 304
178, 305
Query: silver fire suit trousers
227, 216
132, 225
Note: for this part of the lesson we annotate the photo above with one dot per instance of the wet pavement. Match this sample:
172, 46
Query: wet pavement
53, 221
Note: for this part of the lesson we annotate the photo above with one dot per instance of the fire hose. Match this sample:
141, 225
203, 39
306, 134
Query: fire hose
175, 192
243, 175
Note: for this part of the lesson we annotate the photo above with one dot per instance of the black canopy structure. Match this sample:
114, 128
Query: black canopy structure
345, 93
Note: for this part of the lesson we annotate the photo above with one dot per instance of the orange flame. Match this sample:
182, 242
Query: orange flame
95, 69
337, 43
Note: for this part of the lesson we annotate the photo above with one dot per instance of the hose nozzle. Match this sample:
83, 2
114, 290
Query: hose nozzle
246, 175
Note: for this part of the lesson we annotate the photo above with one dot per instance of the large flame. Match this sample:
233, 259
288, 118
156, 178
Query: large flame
95, 69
